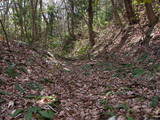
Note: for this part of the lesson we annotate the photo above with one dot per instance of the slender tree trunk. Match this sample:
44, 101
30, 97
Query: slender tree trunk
40, 19
6, 36
90, 22
21, 19
150, 14
51, 19
116, 16
19, 8
72, 19
34, 18
68, 25
130, 12
45, 35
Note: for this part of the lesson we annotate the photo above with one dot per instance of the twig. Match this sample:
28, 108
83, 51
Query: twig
52, 108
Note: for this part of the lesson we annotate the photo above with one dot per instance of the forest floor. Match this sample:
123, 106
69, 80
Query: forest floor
37, 87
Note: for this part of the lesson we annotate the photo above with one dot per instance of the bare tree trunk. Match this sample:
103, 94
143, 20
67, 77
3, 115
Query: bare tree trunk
90, 22
116, 16
130, 12
40, 19
19, 9
6, 36
21, 18
68, 24
45, 36
150, 14
34, 18
72, 19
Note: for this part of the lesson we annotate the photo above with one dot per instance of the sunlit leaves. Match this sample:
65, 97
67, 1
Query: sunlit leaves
47, 100
96, 2
112, 118
144, 1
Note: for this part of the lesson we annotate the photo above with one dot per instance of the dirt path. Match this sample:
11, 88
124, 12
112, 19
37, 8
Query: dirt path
90, 92
81, 93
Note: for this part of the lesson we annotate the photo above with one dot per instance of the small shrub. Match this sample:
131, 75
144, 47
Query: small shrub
11, 71
155, 101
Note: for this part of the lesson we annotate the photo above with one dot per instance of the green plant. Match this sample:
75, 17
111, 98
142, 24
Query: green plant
87, 67
11, 71
127, 65
17, 112
130, 118
119, 75
83, 50
108, 107
20, 88
143, 57
34, 112
2, 82
34, 86
47, 114
86, 73
109, 67
103, 102
156, 67
4, 93
46, 80
41, 114
32, 96
2, 100
137, 72
155, 101
123, 106
23, 69
55, 43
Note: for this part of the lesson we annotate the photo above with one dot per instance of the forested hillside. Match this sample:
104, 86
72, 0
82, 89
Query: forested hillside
79, 60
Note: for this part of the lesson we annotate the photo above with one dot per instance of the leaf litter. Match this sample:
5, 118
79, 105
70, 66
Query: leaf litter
32, 87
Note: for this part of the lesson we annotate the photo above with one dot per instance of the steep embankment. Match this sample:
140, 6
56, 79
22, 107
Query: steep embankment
128, 40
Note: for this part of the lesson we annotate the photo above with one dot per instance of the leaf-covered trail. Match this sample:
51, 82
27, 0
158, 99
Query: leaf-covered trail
80, 93
30, 76
90, 92
87, 90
